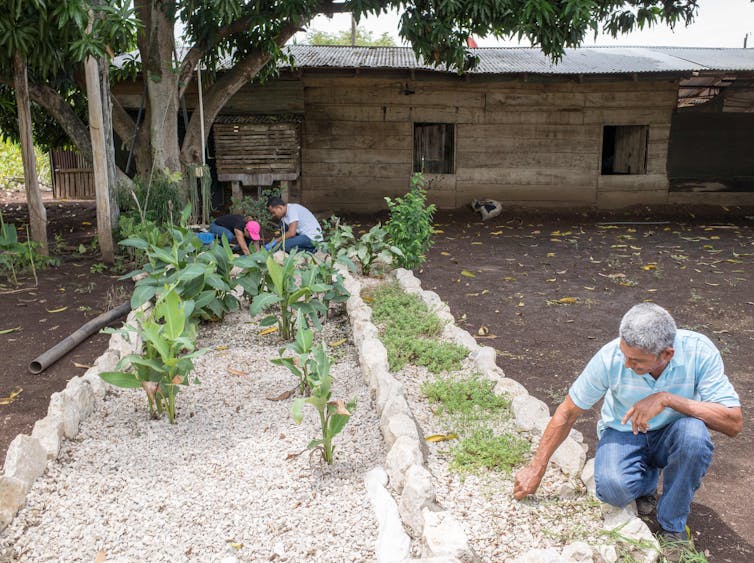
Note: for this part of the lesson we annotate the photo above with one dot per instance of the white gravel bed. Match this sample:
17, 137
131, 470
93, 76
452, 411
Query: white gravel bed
498, 526
218, 485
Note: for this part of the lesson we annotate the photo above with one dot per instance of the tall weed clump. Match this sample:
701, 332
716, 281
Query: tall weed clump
410, 224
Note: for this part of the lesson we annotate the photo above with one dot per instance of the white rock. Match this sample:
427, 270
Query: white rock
587, 477
373, 360
387, 387
531, 414
576, 435
62, 407
98, 385
80, 393
418, 492
393, 544
433, 301
395, 405
49, 432
484, 357
578, 551
443, 535
570, 457
107, 361
549, 555
404, 453
12, 497
406, 279
608, 553
616, 516
460, 337
397, 426
25, 460
510, 387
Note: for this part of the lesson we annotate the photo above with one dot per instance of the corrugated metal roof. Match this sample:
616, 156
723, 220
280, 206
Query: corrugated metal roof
516, 60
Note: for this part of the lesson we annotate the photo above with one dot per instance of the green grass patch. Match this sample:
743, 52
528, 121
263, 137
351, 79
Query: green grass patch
464, 396
483, 450
409, 331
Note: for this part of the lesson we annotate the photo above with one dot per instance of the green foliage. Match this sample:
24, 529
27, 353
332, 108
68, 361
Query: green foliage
407, 330
302, 364
16, 257
12, 166
337, 237
364, 38
467, 397
291, 286
195, 274
374, 246
410, 224
168, 335
158, 201
333, 414
132, 227
256, 207
482, 449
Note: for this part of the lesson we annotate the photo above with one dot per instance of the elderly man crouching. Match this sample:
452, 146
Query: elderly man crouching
663, 389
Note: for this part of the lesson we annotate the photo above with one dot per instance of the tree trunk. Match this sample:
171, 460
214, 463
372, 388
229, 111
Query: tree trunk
156, 45
103, 66
37, 213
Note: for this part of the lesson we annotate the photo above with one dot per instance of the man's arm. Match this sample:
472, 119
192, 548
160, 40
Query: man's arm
728, 420
289, 233
528, 479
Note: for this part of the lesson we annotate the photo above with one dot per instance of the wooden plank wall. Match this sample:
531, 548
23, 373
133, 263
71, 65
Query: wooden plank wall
519, 142
73, 178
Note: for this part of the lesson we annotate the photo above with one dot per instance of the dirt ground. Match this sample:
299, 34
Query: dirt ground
546, 290
65, 298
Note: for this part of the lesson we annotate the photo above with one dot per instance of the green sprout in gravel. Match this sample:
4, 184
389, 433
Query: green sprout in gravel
470, 397
409, 331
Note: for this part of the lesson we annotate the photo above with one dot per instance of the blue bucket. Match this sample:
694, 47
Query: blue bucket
206, 238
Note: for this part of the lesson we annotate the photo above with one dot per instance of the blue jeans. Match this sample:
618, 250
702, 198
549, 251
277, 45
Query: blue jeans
627, 467
219, 231
302, 242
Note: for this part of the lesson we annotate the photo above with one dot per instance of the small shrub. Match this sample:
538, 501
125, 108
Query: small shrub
435, 355
404, 313
483, 450
159, 201
410, 224
374, 246
17, 257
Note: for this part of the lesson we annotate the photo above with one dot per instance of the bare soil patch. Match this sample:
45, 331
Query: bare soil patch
548, 290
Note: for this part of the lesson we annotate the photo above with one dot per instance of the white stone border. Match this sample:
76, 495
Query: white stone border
27, 455
443, 537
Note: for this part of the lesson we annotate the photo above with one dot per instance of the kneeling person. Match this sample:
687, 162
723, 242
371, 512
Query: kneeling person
663, 388
299, 226
236, 227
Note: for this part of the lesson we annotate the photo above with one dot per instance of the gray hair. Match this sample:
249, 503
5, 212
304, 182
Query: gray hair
648, 327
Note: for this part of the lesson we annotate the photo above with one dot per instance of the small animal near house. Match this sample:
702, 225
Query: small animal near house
487, 208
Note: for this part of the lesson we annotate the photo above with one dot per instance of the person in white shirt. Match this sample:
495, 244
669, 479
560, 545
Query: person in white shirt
299, 227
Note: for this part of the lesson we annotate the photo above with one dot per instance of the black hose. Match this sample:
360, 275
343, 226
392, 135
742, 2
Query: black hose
42, 362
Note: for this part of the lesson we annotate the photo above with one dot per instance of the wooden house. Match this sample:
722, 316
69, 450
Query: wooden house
605, 127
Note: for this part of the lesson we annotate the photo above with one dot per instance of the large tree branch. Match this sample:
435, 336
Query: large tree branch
62, 112
224, 89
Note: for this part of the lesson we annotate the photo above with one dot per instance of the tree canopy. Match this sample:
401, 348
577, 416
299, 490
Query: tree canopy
238, 41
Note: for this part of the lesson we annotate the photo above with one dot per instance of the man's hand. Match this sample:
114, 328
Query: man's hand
643, 411
527, 482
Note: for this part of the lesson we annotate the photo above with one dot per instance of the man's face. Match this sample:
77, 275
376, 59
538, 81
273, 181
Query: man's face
277, 211
641, 362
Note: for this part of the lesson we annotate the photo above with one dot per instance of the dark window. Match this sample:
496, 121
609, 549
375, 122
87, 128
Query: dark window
624, 149
434, 148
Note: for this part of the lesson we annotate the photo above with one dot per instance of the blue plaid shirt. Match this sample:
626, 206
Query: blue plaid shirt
695, 371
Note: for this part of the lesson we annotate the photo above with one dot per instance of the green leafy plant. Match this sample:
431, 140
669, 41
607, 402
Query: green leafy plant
98, 268
155, 199
292, 287
333, 414
17, 257
410, 224
374, 246
168, 335
469, 397
302, 364
337, 237
482, 449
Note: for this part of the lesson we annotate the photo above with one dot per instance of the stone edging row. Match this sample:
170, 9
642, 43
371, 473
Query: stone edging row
442, 536
27, 455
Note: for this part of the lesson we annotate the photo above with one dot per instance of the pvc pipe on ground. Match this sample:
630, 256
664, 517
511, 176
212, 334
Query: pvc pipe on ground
42, 362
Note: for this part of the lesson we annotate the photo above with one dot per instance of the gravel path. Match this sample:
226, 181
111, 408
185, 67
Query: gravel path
499, 527
216, 486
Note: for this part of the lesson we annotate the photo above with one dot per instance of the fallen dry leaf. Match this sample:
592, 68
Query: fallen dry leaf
233, 371
441, 437
101, 556
283, 396
483, 331
60, 310
12, 397
337, 343
268, 330
82, 366
468, 274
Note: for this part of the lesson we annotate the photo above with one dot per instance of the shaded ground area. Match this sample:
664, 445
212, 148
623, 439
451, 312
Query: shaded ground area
548, 291
43, 314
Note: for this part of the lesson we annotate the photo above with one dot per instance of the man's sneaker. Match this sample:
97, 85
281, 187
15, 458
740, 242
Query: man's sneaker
646, 505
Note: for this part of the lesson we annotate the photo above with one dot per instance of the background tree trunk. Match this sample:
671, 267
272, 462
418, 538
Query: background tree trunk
37, 213
103, 66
